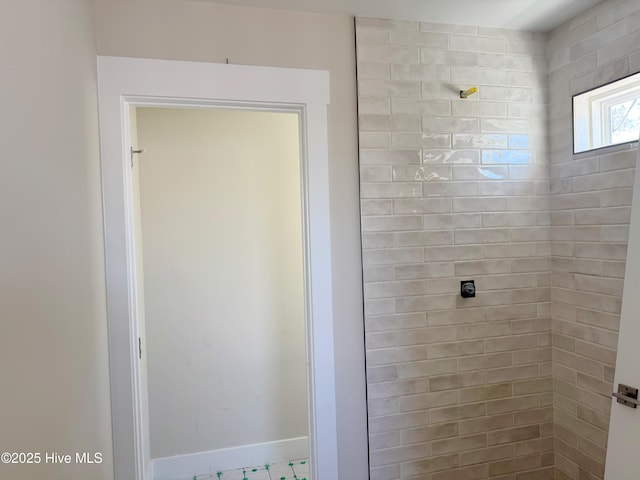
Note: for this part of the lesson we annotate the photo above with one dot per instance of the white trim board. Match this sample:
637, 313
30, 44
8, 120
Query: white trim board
126, 82
213, 461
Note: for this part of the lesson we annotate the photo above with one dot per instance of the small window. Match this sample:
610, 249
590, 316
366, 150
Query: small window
607, 115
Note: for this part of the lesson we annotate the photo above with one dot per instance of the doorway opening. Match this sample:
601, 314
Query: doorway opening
217, 210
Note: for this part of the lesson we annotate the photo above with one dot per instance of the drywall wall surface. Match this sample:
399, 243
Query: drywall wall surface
590, 211
223, 271
53, 345
455, 189
202, 31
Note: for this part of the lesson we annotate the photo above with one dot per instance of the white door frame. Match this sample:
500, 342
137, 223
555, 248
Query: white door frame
125, 82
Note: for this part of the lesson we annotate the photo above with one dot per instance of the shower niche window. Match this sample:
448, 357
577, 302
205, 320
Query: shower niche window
607, 115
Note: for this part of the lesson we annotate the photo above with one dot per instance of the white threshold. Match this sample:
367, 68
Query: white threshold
213, 461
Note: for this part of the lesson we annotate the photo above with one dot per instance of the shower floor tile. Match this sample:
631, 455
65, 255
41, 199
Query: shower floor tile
293, 470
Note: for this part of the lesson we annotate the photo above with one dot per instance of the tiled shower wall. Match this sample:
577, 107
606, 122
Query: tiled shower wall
590, 202
455, 190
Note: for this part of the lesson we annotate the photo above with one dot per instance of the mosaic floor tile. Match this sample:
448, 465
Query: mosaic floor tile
293, 470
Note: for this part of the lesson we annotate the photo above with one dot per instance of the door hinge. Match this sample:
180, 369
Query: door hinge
134, 152
140, 348
627, 396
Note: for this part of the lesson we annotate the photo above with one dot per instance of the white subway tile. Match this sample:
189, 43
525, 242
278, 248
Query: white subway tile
426, 173
390, 190
423, 205
420, 107
464, 108
420, 73
451, 189
423, 238
374, 106
441, 254
418, 39
507, 219
420, 140
379, 36
583, 65
526, 79
456, 220
438, 90
388, 223
450, 124
478, 76
434, 56
375, 174
510, 34
383, 323
507, 62
385, 88
388, 54
484, 140
451, 156
469, 252
623, 159
474, 43
482, 267
607, 72
466, 205
617, 10
389, 157
603, 181
507, 188
422, 304
424, 271
435, 27
509, 94
634, 62
376, 71
380, 340
603, 37
603, 216
615, 233
393, 289
386, 23
532, 47
482, 236
526, 110
380, 123
572, 35
377, 274
426, 368
395, 256
376, 207
379, 307
376, 240
375, 139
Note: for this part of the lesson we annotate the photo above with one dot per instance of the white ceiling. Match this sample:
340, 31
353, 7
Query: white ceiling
532, 15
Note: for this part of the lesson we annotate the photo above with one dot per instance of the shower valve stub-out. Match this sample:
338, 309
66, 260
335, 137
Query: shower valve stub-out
467, 93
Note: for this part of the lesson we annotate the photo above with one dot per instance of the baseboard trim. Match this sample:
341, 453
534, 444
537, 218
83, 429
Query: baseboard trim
213, 461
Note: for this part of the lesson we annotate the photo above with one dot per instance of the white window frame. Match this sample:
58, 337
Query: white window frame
606, 105
593, 108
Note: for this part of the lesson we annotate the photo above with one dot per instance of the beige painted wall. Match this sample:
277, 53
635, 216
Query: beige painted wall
53, 345
224, 289
201, 31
